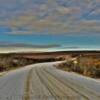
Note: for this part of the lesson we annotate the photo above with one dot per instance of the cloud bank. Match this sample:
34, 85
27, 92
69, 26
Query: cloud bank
49, 16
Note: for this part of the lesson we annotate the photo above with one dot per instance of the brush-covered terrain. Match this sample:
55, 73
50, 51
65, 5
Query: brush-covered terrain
16, 60
85, 64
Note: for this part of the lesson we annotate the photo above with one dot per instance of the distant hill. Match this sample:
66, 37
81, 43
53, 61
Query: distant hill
27, 45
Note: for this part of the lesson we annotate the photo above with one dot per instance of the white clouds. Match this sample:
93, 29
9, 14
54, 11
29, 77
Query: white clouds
26, 16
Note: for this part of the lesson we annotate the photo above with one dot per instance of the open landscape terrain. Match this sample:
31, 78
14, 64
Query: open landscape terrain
83, 62
54, 77
87, 64
49, 49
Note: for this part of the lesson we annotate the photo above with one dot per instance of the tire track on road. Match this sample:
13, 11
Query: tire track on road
38, 89
32, 87
59, 90
46, 85
75, 87
27, 86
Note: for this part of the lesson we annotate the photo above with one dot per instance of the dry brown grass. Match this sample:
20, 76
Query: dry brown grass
87, 66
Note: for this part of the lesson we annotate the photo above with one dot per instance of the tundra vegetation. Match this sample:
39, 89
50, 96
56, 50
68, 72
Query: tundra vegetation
13, 61
86, 65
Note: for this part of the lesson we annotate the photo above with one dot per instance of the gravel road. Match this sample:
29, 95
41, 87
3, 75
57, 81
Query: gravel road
44, 82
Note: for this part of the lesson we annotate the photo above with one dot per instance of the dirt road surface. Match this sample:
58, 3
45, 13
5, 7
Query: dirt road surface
44, 82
